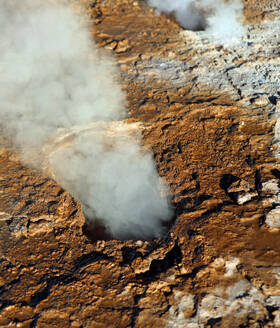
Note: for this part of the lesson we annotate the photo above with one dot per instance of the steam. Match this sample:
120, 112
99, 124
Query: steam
221, 18
56, 95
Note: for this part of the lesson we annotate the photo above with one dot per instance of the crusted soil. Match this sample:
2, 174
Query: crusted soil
213, 140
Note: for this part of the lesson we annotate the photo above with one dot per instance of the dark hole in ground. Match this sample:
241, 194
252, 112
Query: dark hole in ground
172, 258
227, 180
194, 176
258, 181
191, 233
95, 231
187, 204
262, 220
129, 254
94, 228
250, 161
213, 321
276, 173
271, 310
273, 100
198, 250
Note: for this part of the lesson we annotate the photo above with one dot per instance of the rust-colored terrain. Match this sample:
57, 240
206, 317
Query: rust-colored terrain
213, 141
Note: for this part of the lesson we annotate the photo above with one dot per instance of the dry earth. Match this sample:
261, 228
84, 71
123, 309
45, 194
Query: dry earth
209, 115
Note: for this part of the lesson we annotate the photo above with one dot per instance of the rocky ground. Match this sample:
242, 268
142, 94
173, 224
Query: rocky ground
209, 114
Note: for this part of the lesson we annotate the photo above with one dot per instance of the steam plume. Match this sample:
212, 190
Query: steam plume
221, 18
53, 83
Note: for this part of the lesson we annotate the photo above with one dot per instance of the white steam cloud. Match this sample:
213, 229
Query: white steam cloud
56, 87
221, 18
